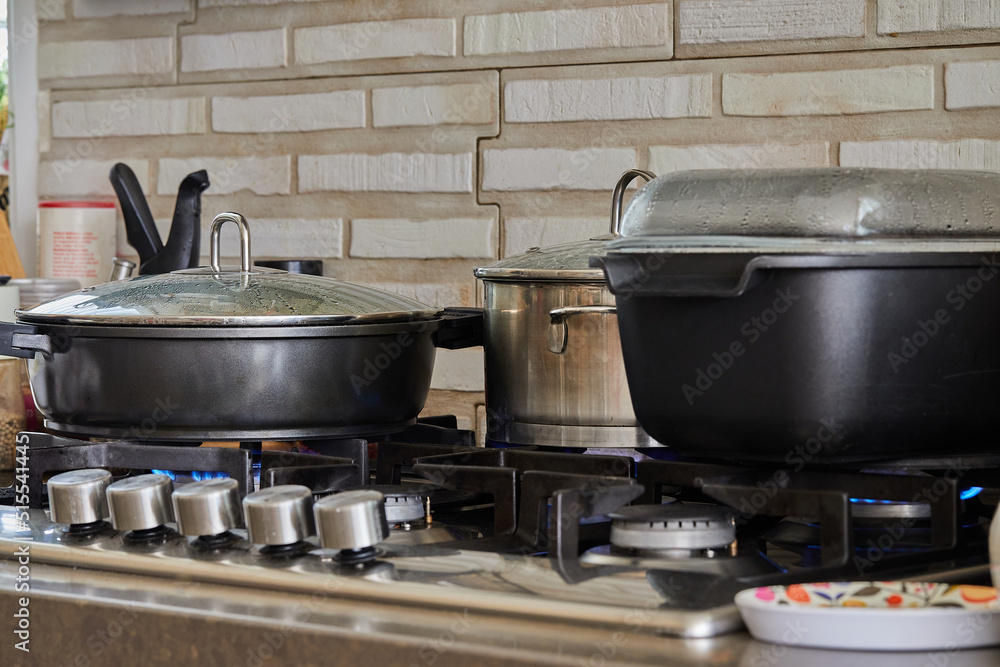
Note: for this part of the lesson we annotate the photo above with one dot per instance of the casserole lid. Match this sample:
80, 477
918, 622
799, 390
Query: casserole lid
709, 233
228, 296
568, 262
836, 203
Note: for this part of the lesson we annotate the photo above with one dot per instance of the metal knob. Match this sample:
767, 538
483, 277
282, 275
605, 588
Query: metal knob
279, 515
77, 497
208, 507
352, 520
140, 503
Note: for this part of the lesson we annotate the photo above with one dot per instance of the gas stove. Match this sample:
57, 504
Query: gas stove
424, 525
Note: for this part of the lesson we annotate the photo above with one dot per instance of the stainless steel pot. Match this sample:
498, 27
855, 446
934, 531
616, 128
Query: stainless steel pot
232, 353
554, 370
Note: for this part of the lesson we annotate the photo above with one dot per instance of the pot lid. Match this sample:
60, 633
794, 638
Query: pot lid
228, 296
568, 262
718, 207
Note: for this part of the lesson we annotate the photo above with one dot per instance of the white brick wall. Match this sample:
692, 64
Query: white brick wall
282, 238
666, 159
833, 93
83, 9
260, 175
463, 103
375, 39
719, 21
85, 178
623, 98
555, 168
523, 233
50, 10
289, 113
976, 154
970, 85
459, 370
389, 172
906, 16
118, 57
129, 117
465, 237
235, 50
565, 29
440, 295
238, 3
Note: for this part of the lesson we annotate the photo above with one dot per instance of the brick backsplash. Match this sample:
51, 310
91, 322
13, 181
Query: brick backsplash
407, 143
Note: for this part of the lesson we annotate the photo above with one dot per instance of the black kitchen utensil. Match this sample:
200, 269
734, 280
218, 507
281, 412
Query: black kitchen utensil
184, 240
312, 267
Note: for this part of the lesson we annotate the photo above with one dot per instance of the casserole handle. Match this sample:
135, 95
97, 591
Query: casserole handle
619, 194
23, 341
558, 334
460, 328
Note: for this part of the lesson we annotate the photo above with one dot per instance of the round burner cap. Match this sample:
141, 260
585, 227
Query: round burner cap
403, 503
675, 526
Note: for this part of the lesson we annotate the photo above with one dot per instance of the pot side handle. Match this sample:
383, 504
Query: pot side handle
460, 328
23, 341
558, 334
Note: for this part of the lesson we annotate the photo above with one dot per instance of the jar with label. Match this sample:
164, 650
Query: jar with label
76, 239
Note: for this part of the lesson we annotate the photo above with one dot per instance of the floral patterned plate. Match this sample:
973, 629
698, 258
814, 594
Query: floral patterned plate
873, 615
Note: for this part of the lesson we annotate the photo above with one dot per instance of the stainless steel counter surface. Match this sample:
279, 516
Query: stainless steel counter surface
88, 617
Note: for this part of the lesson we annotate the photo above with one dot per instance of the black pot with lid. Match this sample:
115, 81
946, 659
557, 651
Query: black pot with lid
810, 316
235, 353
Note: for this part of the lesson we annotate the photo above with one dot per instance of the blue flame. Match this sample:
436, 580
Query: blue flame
965, 494
970, 492
193, 474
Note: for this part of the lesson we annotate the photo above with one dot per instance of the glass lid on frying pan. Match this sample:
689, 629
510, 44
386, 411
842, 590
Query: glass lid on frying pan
228, 296
814, 210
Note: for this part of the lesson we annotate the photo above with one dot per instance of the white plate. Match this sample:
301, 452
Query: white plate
873, 615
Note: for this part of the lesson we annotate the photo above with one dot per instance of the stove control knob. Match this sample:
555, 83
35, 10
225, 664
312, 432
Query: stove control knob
279, 515
141, 502
209, 507
351, 521
77, 498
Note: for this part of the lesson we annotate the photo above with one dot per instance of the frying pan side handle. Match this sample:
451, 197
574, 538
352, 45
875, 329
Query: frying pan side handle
619, 194
23, 341
558, 334
460, 328
244, 229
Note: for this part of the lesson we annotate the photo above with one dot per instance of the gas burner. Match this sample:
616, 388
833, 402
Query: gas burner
673, 529
889, 509
404, 504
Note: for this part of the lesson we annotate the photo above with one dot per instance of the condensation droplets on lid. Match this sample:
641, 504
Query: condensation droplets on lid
203, 297
833, 203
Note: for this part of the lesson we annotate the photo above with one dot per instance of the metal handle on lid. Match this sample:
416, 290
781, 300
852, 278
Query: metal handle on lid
619, 194
244, 228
